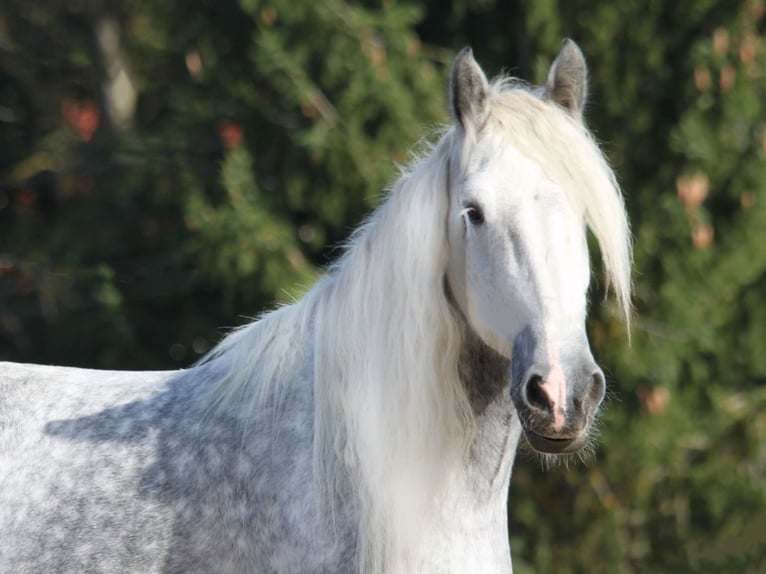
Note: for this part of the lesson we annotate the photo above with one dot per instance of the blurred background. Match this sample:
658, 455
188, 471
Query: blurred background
168, 169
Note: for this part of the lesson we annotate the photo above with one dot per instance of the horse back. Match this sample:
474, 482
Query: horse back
134, 472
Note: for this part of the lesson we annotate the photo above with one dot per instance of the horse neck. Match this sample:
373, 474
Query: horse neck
471, 534
485, 373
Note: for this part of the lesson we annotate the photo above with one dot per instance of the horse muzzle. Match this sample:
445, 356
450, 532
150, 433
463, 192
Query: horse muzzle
557, 397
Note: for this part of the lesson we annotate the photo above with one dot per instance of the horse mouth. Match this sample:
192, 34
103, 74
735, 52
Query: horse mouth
552, 445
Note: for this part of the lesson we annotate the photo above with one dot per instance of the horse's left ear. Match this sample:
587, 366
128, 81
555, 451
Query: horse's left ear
567, 83
468, 92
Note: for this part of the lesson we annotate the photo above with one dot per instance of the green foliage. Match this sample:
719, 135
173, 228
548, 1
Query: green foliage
238, 242
259, 133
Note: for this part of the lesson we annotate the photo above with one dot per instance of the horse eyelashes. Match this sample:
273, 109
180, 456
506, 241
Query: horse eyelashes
474, 214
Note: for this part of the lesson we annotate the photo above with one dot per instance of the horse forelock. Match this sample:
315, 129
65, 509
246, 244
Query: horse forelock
565, 149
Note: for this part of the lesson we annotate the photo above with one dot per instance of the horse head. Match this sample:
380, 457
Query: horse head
526, 181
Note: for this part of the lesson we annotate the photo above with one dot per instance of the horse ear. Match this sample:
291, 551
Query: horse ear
468, 92
567, 83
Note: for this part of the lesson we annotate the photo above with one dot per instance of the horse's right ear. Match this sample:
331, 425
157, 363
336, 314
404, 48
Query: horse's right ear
468, 92
567, 83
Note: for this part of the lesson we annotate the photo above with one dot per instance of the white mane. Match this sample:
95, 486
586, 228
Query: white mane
389, 403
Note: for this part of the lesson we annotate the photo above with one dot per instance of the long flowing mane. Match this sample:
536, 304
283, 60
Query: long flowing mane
391, 414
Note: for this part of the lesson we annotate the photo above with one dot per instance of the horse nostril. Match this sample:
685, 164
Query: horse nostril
535, 395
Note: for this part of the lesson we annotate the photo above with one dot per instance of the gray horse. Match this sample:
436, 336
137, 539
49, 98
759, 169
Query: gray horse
372, 425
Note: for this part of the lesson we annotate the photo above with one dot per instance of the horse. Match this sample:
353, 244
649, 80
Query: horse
372, 425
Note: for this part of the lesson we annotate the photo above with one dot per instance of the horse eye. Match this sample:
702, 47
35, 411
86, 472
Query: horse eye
474, 213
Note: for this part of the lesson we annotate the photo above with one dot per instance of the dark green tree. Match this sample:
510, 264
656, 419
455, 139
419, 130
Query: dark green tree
179, 165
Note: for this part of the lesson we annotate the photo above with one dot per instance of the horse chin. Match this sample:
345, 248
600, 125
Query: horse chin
552, 445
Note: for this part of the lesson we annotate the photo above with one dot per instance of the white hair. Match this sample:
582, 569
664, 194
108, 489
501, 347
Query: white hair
567, 152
